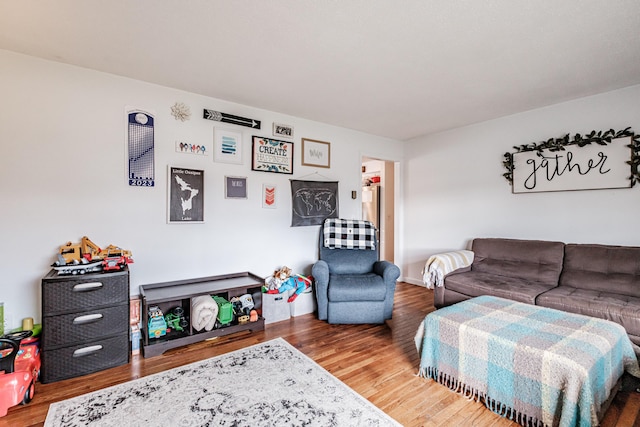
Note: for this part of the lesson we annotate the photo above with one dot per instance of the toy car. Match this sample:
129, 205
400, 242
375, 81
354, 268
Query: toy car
19, 369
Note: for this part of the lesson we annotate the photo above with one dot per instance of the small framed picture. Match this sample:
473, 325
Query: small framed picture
235, 187
282, 130
227, 146
185, 202
268, 196
316, 153
272, 155
187, 148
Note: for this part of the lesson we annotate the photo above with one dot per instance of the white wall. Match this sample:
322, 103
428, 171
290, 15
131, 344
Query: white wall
454, 190
62, 176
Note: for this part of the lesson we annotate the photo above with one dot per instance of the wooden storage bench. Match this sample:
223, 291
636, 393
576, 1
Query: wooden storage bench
168, 295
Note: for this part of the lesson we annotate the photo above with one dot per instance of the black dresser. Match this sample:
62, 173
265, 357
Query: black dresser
85, 323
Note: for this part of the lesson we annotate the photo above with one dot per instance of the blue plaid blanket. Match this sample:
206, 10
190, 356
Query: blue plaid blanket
349, 234
537, 366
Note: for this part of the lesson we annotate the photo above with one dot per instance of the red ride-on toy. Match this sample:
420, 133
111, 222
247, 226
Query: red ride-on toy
19, 369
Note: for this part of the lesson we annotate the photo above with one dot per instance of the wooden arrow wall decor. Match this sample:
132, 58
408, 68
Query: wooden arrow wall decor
219, 116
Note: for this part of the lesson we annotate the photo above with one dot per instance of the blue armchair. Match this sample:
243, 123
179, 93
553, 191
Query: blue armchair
352, 285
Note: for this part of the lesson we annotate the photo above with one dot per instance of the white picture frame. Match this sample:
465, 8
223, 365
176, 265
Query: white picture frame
185, 195
269, 196
280, 129
227, 146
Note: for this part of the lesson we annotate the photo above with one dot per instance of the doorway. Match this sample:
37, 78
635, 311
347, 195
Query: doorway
378, 195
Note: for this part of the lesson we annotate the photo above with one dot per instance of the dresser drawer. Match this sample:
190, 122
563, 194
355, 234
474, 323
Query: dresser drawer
82, 359
74, 328
65, 294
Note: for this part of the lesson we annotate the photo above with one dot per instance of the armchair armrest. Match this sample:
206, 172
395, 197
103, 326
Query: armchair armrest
320, 274
389, 271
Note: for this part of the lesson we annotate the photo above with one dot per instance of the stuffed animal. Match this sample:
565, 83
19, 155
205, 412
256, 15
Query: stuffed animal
276, 280
297, 282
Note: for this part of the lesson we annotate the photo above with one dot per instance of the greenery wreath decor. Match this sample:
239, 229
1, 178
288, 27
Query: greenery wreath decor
600, 138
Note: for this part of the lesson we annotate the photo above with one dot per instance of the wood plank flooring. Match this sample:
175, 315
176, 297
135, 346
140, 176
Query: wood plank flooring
378, 361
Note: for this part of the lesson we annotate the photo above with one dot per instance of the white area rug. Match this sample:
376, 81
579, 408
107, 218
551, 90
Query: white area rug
268, 384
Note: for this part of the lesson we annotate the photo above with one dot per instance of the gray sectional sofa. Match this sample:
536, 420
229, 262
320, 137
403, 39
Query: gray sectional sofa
595, 280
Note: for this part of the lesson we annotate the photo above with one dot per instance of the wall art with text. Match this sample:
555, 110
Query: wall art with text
598, 160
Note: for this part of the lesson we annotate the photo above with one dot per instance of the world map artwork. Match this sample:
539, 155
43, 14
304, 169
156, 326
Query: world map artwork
313, 201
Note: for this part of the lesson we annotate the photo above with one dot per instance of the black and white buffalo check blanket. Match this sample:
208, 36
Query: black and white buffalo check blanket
349, 234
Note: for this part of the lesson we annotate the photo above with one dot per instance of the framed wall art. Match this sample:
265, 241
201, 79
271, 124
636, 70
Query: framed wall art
282, 130
140, 147
316, 153
272, 155
186, 195
268, 196
313, 201
235, 187
597, 160
227, 146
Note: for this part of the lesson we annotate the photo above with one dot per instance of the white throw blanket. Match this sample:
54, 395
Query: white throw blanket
204, 311
440, 265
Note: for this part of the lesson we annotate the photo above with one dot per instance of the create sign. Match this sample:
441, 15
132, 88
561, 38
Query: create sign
592, 166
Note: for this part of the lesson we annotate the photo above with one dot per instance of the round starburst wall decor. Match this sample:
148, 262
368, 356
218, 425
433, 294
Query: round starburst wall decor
181, 111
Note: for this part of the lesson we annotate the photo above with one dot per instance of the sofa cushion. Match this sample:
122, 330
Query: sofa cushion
622, 309
356, 287
474, 283
610, 269
532, 261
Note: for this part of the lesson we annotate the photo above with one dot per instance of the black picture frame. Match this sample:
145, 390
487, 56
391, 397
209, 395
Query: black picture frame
271, 155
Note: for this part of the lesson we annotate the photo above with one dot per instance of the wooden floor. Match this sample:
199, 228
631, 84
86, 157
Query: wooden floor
378, 361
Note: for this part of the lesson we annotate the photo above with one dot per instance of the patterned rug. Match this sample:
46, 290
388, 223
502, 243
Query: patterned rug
268, 384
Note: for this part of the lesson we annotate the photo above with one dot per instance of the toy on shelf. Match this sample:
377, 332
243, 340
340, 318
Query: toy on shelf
242, 304
225, 311
176, 320
242, 307
87, 257
19, 369
282, 280
157, 324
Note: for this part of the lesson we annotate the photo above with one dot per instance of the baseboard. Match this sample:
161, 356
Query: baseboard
412, 281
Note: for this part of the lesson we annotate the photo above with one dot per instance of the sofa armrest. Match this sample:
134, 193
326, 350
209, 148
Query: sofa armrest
458, 271
320, 274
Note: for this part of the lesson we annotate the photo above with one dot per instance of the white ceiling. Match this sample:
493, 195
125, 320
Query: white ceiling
400, 68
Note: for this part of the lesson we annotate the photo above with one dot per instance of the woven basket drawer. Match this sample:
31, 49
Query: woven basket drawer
69, 362
77, 328
82, 293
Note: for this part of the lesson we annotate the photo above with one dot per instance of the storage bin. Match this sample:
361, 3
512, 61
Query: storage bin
305, 303
275, 307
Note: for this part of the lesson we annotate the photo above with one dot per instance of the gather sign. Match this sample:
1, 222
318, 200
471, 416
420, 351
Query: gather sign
573, 167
